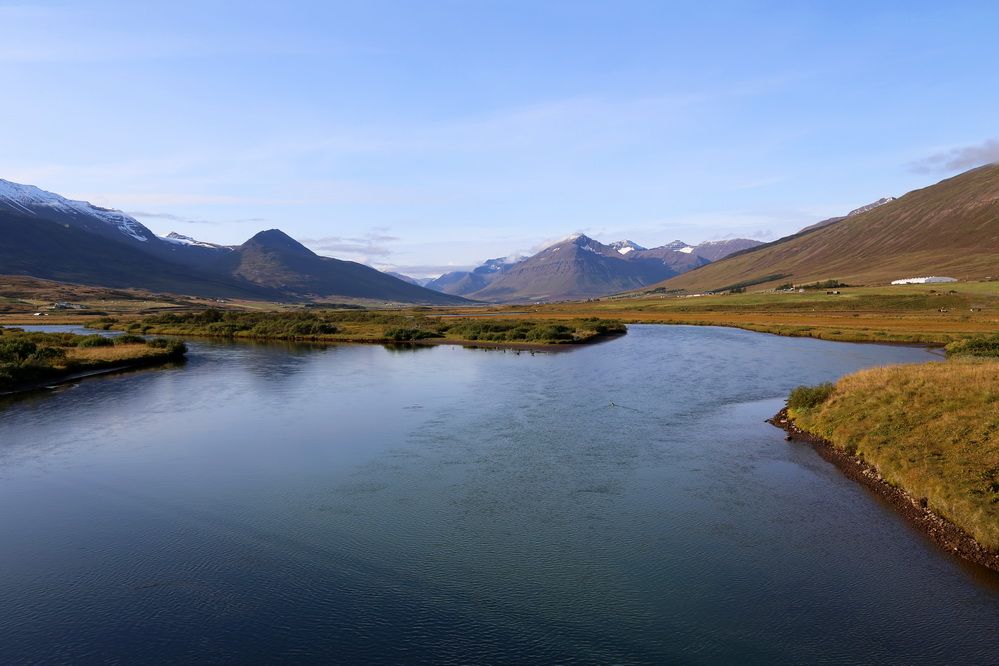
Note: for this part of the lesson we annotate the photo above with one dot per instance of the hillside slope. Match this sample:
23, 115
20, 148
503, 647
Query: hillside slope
48, 236
950, 229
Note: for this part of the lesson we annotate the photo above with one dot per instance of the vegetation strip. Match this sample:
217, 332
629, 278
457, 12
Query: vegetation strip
943, 532
333, 326
925, 437
33, 360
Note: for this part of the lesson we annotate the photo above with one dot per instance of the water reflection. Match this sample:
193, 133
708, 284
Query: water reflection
619, 503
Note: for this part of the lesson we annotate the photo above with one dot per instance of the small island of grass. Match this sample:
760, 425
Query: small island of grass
371, 327
31, 359
925, 436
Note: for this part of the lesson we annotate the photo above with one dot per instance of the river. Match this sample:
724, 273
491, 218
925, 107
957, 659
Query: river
620, 502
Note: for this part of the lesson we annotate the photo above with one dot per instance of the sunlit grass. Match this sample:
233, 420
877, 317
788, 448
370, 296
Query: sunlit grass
931, 429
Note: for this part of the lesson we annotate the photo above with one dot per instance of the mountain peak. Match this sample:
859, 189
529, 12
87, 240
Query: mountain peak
275, 239
626, 246
871, 206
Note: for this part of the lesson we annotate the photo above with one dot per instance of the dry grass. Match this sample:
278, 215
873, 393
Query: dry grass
859, 314
84, 356
931, 429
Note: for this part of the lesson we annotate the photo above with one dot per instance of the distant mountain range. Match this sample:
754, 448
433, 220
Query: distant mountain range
47, 236
949, 229
581, 267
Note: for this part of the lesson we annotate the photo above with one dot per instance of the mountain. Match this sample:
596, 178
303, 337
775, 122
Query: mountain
277, 261
718, 250
49, 236
420, 282
948, 229
626, 246
856, 211
581, 267
462, 283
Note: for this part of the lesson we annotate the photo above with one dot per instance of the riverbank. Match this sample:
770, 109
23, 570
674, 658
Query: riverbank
924, 437
31, 361
910, 314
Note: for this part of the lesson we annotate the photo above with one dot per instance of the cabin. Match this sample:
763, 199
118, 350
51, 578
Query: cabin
931, 279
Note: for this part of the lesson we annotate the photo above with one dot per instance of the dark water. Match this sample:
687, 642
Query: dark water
361, 504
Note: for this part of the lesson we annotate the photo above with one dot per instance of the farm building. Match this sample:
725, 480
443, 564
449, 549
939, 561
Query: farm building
924, 280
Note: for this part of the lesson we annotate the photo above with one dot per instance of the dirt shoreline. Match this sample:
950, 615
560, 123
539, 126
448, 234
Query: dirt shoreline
943, 532
120, 366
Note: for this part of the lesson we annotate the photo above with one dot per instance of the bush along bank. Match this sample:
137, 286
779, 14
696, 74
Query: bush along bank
925, 437
30, 359
369, 326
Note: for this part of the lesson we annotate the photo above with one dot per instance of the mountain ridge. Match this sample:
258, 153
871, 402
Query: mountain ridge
49, 236
949, 227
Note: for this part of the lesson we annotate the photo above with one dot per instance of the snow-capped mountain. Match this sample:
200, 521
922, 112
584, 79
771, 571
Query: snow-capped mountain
581, 267
626, 246
679, 246
32, 200
856, 211
871, 206
48, 236
462, 283
181, 239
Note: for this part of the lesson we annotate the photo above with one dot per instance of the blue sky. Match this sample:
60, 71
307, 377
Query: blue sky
425, 135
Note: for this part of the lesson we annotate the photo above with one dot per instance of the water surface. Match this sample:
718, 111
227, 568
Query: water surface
623, 502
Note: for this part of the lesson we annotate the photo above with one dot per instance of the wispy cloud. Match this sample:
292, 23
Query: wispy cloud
423, 270
180, 199
170, 217
959, 159
375, 243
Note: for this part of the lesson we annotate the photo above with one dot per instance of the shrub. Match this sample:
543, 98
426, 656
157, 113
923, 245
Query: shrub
550, 333
44, 356
406, 334
174, 347
807, 397
985, 346
129, 339
224, 329
16, 351
94, 341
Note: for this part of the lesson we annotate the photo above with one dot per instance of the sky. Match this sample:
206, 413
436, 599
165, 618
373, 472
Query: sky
428, 136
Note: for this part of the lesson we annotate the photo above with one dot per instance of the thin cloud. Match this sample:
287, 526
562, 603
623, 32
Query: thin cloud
959, 159
424, 270
374, 243
188, 220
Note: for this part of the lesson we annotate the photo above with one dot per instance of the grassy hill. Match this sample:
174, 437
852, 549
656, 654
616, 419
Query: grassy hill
951, 229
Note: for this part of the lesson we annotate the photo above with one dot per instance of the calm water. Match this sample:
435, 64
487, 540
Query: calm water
622, 502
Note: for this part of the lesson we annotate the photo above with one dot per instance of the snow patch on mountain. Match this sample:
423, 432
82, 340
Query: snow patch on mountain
626, 246
181, 239
23, 197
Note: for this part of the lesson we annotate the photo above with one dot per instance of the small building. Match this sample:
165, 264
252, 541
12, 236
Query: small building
931, 279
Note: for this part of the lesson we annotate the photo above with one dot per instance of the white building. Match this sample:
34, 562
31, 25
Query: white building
924, 280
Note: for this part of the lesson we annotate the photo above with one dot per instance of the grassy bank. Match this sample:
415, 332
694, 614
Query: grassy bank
927, 314
31, 358
368, 326
930, 429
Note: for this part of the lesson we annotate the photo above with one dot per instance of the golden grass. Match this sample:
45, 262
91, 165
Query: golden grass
931, 429
911, 314
103, 355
